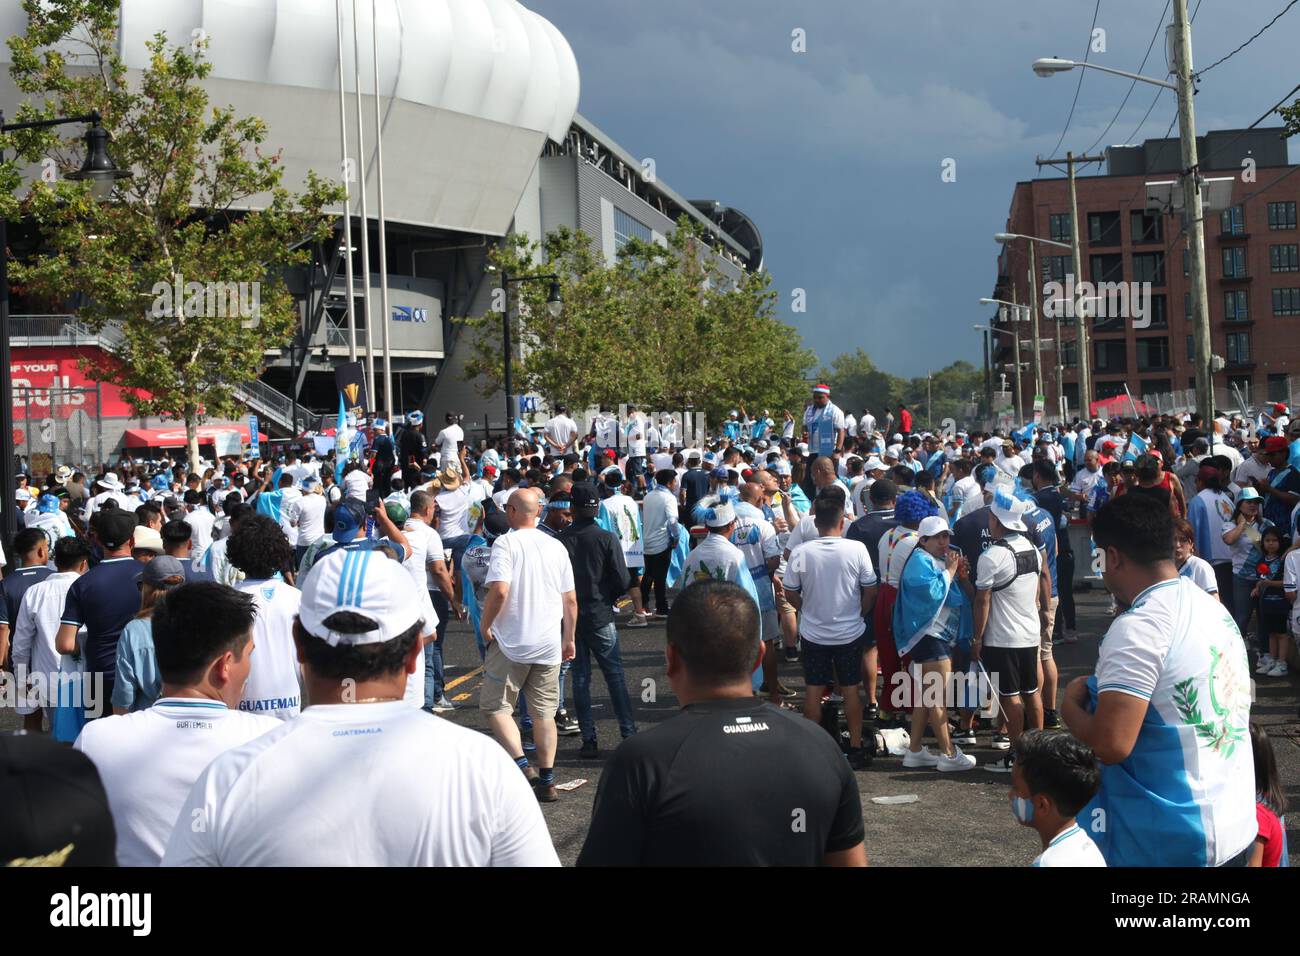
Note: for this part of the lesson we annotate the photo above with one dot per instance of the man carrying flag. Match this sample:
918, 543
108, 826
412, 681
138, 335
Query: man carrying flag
823, 426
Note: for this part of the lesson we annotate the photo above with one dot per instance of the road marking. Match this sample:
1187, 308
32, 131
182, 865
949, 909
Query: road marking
465, 696
460, 680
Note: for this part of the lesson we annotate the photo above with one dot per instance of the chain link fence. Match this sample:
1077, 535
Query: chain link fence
1240, 398
58, 426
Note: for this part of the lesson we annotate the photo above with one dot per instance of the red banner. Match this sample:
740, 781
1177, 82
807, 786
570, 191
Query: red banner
38, 371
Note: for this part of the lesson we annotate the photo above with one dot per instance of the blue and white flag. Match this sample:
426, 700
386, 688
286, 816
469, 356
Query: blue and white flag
1137, 447
680, 550
1024, 435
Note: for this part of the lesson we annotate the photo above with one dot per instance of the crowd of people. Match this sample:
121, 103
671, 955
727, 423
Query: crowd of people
220, 644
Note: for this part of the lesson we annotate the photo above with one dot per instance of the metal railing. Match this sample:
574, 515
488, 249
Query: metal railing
67, 329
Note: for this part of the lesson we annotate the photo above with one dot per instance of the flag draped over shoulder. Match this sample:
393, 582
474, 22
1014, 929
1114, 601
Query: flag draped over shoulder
681, 549
746, 581
926, 601
1137, 447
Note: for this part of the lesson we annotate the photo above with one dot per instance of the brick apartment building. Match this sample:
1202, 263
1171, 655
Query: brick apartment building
1252, 255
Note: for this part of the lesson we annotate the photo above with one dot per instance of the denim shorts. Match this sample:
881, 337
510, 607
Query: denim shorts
825, 664
929, 649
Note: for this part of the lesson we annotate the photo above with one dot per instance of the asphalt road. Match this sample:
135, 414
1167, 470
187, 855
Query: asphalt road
959, 819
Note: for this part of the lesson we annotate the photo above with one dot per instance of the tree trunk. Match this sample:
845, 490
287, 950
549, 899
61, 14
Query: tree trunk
192, 440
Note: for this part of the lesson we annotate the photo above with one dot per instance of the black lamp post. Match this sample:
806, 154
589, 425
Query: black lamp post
554, 305
99, 170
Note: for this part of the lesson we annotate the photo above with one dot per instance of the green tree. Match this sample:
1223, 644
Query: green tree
662, 326
173, 226
856, 384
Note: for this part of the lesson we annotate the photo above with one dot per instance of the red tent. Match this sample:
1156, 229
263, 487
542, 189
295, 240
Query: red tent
1118, 406
175, 437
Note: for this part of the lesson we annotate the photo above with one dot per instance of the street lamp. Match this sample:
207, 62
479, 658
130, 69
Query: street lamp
1180, 34
554, 306
1006, 237
99, 170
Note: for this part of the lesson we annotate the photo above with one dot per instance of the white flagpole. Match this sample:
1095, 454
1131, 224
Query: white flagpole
365, 219
384, 315
347, 193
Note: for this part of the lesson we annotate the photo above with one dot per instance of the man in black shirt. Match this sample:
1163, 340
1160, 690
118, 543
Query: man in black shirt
33, 550
730, 780
600, 577
869, 529
1048, 496
695, 485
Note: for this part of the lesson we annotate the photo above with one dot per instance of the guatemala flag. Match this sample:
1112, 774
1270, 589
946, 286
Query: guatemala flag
1026, 434
342, 440
680, 550
1137, 447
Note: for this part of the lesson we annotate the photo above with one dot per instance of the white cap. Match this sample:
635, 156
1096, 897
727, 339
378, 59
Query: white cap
897, 438
873, 464
23, 494
1008, 510
110, 481
364, 582
893, 451
931, 526
803, 447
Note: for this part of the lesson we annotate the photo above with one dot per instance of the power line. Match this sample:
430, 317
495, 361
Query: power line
1087, 52
1199, 73
1133, 85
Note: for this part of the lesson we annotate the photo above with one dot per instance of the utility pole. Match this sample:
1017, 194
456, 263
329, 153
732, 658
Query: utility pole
988, 377
1084, 357
1033, 325
1182, 37
929, 406
1015, 337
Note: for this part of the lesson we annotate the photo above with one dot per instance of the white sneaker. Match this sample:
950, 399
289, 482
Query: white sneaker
924, 759
639, 620
1265, 664
957, 762
1279, 669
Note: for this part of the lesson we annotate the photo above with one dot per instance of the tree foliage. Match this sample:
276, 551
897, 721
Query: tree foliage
662, 327
856, 384
175, 221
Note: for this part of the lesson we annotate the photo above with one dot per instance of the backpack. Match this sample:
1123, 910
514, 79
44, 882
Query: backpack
1026, 562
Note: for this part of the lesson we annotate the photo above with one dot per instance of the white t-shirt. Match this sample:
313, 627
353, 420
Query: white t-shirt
829, 573
1070, 847
453, 512
273, 687
561, 432
1013, 610
308, 513
449, 441
433, 794
149, 760
636, 437
288, 496
896, 546
606, 428
964, 490
1198, 571
425, 546
1178, 649
538, 570
1290, 582
200, 521
625, 516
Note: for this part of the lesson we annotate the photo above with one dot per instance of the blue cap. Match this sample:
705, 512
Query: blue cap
720, 473
159, 483
349, 517
48, 504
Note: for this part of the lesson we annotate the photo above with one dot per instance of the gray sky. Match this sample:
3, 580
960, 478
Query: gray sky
836, 152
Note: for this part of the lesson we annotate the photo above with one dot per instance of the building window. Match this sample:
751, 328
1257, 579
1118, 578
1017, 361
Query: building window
1234, 262
1107, 268
1103, 228
1187, 263
1059, 227
1156, 386
625, 228
1279, 387
1187, 306
1241, 384
1238, 348
1191, 349
1110, 356
1146, 226
1234, 306
1286, 301
1284, 258
1149, 267
1058, 267
1107, 389
1152, 354
1232, 221
1159, 311
1070, 354
1281, 215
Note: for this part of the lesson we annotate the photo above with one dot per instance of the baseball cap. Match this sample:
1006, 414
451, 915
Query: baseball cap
361, 582
1273, 443
720, 473
1248, 494
148, 539
47, 505
715, 512
931, 526
160, 569
802, 447
781, 468
496, 524
397, 512
56, 810
584, 499
349, 516
873, 464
